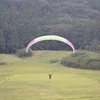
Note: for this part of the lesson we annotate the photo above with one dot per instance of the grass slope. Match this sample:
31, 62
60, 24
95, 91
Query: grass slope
7, 58
27, 79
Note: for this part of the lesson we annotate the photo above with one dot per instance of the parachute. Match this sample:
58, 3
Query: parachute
50, 37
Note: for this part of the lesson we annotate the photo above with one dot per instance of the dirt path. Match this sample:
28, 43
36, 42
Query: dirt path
6, 79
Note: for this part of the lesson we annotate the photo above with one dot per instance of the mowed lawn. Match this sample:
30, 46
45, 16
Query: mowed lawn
27, 79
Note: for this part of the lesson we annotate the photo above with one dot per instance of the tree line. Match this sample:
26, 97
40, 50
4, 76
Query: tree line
23, 20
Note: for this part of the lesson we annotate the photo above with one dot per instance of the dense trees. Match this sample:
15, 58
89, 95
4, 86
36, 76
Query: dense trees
23, 20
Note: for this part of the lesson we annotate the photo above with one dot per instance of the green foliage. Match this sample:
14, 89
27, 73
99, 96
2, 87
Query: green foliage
22, 53
95, 4
2, 42
24, 20
82, 60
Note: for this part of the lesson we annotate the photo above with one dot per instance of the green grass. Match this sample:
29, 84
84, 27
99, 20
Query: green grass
2, 78
27, 79
7, 58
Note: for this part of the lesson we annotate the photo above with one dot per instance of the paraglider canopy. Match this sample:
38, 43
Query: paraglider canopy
50, 37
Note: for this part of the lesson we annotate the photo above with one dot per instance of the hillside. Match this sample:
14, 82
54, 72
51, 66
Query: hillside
28, 79
28, 19
8, 59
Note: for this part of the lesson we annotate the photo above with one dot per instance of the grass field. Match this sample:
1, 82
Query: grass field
27, 79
